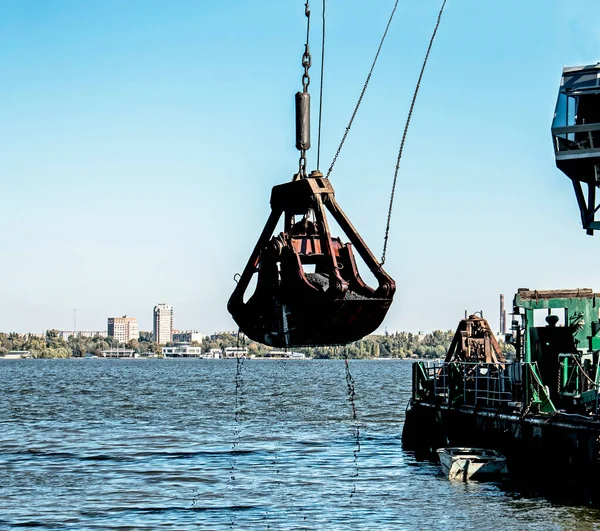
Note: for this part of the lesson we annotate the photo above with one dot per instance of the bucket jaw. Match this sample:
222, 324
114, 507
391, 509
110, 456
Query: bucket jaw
309, 291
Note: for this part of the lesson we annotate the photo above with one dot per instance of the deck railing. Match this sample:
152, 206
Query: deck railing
499, 386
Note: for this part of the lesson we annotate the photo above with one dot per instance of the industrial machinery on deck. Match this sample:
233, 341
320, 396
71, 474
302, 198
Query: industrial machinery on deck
474, 341
541, 410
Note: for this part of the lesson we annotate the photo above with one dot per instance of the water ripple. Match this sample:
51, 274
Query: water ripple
148, 444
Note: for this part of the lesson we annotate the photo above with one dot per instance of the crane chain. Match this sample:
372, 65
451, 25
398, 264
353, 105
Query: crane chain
306, 64
306, 58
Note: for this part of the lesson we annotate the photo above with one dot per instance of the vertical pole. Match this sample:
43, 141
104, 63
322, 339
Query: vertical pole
502, 315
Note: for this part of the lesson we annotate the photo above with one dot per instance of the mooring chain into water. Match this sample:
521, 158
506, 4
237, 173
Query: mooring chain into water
351, 397
238, 404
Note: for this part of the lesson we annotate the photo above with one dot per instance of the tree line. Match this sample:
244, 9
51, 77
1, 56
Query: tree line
395, 345
52, 345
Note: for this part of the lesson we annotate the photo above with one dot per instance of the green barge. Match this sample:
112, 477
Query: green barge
541, 410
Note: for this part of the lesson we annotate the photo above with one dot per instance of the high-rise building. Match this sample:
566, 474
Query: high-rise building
163, 323
123, 329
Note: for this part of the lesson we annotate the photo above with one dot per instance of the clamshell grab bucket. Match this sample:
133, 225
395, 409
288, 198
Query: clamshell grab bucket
292, 306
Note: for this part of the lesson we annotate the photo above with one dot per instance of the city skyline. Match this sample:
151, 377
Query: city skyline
124, 329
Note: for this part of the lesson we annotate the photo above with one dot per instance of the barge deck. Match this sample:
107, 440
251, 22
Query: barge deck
541, 410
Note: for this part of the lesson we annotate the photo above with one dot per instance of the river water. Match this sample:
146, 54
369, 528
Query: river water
220, 444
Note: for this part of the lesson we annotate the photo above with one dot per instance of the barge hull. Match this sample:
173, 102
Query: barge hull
540, 451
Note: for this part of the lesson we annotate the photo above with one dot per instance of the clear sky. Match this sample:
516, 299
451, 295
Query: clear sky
139, 141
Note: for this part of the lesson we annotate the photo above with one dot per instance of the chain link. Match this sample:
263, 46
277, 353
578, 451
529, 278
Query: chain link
306, 58
302, 164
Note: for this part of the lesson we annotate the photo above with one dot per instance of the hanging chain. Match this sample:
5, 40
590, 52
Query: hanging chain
306, 64
306, 59
410, 112
363, 91
302, 164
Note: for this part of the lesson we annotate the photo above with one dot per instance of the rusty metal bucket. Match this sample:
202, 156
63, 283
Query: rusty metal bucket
309, 291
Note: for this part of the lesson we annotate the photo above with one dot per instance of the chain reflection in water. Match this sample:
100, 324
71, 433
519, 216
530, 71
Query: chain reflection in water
351, 396
238, 404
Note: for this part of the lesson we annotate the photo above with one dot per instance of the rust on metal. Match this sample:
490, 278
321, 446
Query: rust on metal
309, 290
474, 341
580, 293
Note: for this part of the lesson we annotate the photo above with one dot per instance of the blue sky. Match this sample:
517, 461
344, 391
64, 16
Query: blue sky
139, 141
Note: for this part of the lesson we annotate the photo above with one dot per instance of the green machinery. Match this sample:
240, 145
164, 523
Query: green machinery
564, 346
556, 335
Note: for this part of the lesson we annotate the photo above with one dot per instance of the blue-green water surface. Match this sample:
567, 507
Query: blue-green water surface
210, 444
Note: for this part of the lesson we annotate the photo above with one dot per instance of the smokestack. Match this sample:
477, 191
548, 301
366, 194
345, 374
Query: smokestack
502, 316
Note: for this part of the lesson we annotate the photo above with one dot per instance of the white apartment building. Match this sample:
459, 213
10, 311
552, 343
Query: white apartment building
163, 323
123, 329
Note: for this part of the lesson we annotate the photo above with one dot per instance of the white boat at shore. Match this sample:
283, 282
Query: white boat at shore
463, 464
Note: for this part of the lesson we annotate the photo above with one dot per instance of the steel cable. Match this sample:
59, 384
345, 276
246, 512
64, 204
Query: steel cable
412, 106
321, 87
363, 91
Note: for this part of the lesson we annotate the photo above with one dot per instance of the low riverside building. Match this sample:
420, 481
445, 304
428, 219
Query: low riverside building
16, 354
118, 353
66, 334
284, 354
235, 352
182, 351
213, 353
